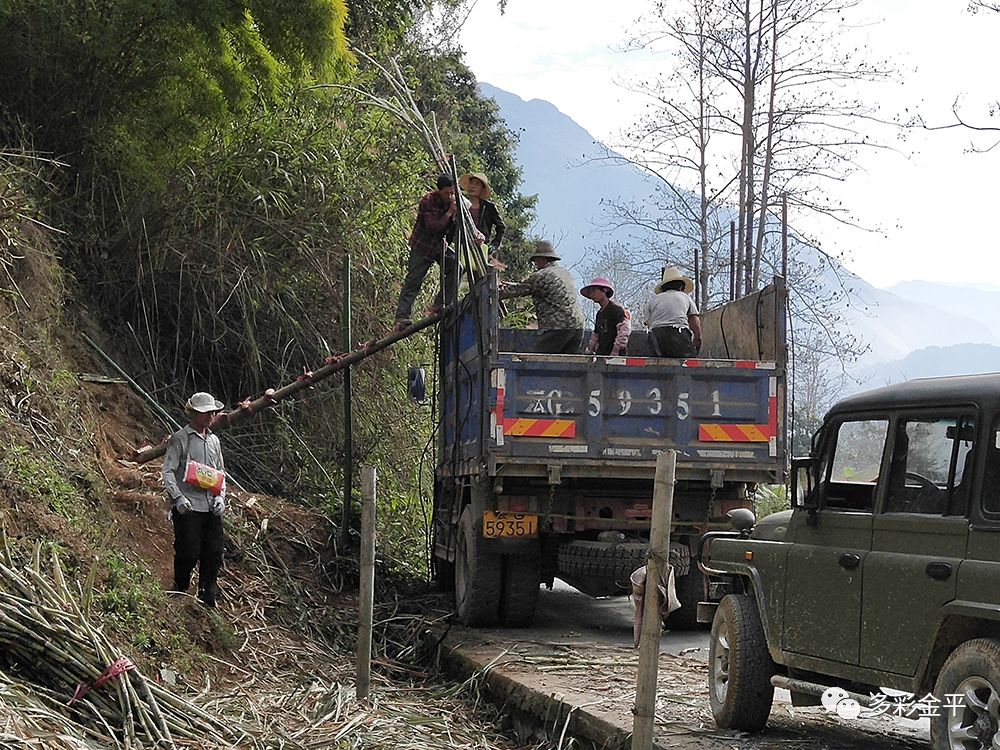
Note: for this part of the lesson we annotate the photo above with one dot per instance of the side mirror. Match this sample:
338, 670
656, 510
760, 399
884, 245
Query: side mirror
805, 479
416, 384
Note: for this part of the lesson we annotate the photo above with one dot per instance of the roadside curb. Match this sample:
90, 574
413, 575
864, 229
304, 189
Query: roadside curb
536, 713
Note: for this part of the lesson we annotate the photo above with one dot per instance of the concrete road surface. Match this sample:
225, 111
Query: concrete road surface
567, 618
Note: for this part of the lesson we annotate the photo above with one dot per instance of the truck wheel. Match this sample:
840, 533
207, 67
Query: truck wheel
519, 592
690, 591
739, 666
972, 672
600, 568
477, 576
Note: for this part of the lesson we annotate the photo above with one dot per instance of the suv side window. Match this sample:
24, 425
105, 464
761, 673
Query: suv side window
930, 470
857, 460
991, 475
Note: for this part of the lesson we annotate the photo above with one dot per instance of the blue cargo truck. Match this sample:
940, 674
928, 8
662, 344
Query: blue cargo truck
545, 462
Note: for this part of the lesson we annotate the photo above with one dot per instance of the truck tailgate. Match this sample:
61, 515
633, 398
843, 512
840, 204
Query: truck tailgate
713, 412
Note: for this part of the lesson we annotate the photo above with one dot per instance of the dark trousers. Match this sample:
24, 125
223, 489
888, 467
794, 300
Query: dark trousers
416, 270
672, 342
197, 541
559, 341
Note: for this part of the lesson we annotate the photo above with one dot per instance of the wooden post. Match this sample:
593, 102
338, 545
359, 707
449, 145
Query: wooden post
345, 511
366, 586
656, 566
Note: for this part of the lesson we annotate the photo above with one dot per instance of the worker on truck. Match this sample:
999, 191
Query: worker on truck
557, 306
429, 245
613, 323
672, 318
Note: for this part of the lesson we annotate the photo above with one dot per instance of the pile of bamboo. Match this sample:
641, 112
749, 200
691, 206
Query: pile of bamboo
47, 637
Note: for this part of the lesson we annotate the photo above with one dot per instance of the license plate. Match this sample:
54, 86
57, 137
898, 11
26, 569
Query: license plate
500, 524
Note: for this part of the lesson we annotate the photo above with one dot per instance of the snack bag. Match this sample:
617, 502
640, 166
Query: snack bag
204, 477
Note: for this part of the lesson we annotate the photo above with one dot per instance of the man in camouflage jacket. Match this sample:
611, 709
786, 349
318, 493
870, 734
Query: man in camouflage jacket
557, 305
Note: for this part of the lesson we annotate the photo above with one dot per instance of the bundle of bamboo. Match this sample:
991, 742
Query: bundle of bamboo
46, 632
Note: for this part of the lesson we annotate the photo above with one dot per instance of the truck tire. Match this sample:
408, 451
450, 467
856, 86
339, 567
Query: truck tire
690, 591
603, 568
739, 666
477, 576
973, 672
519, 591
600, 568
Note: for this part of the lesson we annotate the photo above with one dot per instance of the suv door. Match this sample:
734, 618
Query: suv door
822, 608
919, 538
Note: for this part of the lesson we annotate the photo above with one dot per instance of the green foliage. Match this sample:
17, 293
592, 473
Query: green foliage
39, 479
770, 498
212, 194
140, 84
130, 599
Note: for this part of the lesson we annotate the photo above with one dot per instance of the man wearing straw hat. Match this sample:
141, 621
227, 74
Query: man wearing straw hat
557, 306
194, 476
613, 324
429, 245
672, 317
485, 214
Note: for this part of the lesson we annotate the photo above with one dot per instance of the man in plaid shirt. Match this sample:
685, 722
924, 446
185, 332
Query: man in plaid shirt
429, 245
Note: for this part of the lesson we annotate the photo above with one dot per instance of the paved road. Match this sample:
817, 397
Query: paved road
567, 617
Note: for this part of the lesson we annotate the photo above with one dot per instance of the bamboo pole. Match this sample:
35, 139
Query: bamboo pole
656, 565
271, 397
366, 586
345, 511
168, 420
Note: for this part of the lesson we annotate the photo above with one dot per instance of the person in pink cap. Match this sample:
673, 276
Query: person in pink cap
613, 324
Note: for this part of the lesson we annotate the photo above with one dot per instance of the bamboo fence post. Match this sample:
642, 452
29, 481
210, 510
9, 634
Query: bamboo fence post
366, 586
345, 511
649, 639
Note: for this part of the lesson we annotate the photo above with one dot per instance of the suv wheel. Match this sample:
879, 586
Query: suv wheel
739, 666
973, 673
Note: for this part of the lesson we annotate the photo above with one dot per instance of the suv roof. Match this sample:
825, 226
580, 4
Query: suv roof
983, 390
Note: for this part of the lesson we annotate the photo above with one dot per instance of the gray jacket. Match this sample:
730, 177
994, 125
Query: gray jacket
206, 449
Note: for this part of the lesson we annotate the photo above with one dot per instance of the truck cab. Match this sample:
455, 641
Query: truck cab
884, 574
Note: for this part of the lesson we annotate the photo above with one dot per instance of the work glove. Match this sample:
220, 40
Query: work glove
218, 506
183, 506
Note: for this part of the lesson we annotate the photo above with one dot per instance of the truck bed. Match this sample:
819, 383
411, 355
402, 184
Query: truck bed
517, 413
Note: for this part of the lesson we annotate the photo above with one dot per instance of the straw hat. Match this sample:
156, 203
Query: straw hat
544, 249
463, 182
203, 402
601, 282
673, 273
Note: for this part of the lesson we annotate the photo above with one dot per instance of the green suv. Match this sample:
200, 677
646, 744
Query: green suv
884, 574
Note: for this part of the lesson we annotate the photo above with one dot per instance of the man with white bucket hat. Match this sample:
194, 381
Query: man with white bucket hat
194, 476
672, 318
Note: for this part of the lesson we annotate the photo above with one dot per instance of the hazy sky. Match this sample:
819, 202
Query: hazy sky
935, 203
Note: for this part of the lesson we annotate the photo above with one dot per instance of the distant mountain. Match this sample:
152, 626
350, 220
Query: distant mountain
561, 164
980, 302
933, 361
